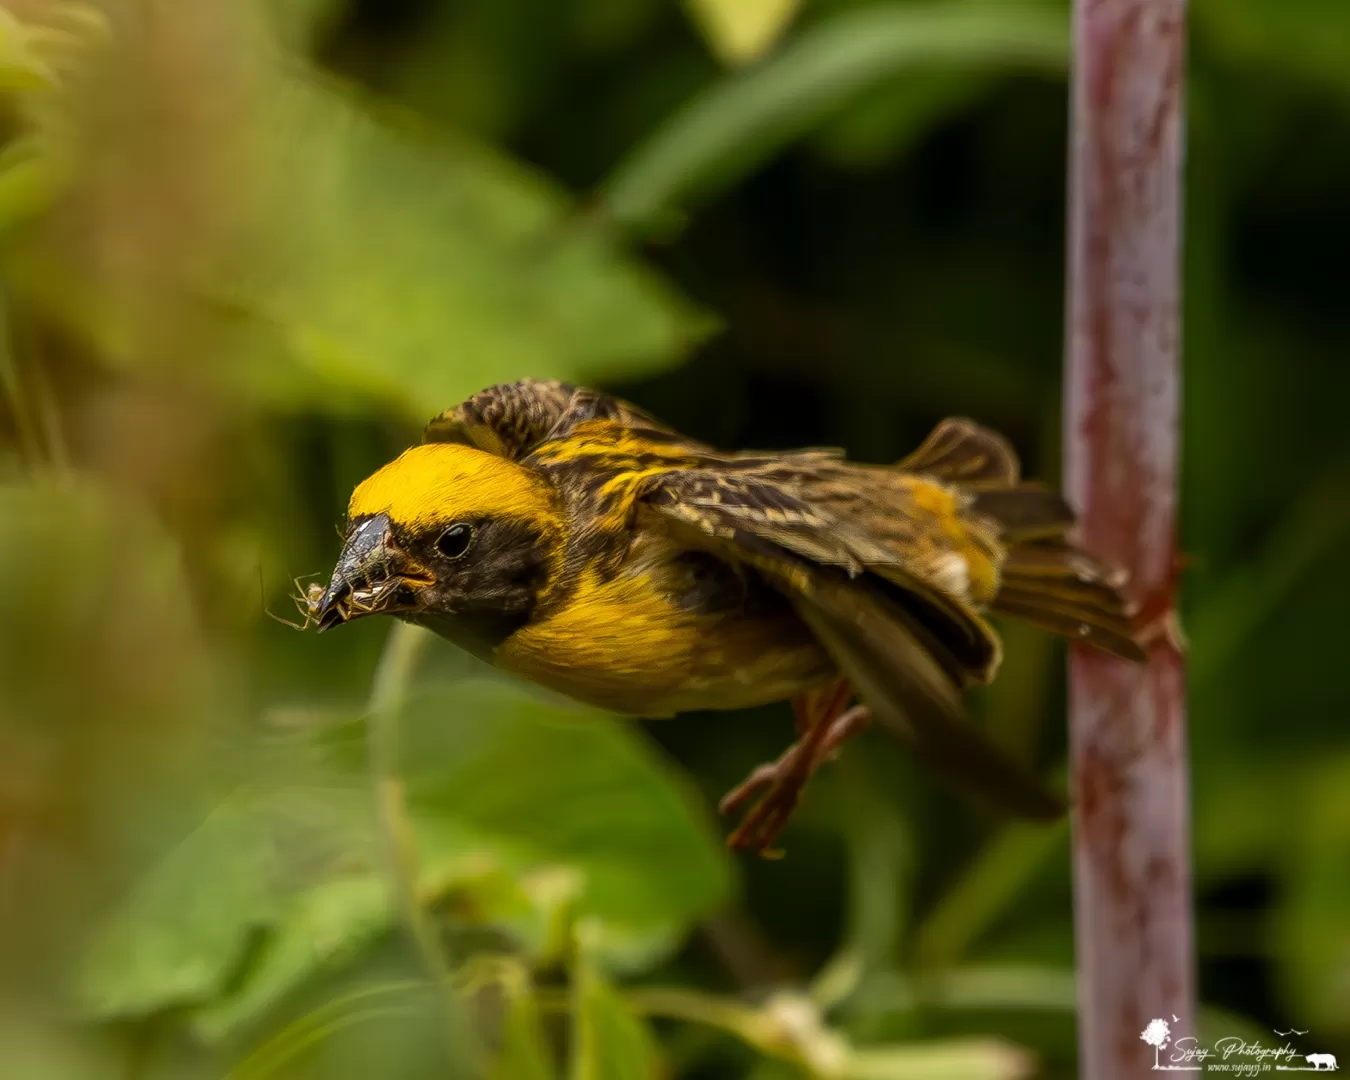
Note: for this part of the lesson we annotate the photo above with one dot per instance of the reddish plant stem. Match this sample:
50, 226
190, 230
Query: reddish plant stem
1132, 879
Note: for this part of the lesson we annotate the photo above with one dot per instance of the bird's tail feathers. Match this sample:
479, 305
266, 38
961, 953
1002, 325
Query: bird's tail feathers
1046, 580
1058, 587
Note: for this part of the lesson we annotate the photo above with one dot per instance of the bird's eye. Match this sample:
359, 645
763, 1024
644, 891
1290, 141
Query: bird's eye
455, 541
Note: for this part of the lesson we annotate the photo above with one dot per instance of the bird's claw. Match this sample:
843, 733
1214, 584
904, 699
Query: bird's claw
779, 785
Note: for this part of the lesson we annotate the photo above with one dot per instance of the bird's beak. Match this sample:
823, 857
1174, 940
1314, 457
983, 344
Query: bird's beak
373, 575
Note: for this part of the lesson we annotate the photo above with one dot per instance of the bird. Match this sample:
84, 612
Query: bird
571, 538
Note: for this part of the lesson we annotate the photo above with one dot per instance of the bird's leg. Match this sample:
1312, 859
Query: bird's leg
811, 710
780, 784
820, 703
825, 724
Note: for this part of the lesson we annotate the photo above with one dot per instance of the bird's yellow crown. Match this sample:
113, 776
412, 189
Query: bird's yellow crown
437, 483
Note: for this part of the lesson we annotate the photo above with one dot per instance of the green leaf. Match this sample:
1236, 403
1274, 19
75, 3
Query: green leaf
181, 931
420, 268
340, 251
737, 123
322, 928
526, 815
609, 1041
496, 773
105, 690
285, 864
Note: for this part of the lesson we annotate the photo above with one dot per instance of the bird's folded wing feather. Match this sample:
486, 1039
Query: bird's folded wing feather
960, 451
909, 693
898, 646
513, 419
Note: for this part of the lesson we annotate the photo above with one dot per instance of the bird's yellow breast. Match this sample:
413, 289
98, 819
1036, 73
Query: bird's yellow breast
627, 644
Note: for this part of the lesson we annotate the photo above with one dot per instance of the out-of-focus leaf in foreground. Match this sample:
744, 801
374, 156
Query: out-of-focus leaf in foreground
20, 66
508, 798
609, 1041
737, 123
32, 60
104, 687
201, 899
331, 250
419, 268
34, 1045
524, 1053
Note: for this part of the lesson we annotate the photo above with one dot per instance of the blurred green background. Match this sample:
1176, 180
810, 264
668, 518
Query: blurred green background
247, 250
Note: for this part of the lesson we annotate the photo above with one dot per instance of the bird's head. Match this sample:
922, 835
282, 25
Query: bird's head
448, 536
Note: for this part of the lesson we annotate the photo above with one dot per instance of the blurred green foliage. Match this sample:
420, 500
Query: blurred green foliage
246, 249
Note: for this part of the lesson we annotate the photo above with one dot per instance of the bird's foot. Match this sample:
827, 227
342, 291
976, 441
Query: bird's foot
777, 787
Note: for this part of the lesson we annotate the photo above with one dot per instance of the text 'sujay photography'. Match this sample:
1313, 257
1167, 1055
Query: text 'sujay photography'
701, 540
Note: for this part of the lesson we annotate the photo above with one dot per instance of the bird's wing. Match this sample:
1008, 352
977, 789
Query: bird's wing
898, 532
902, 643
513, 419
